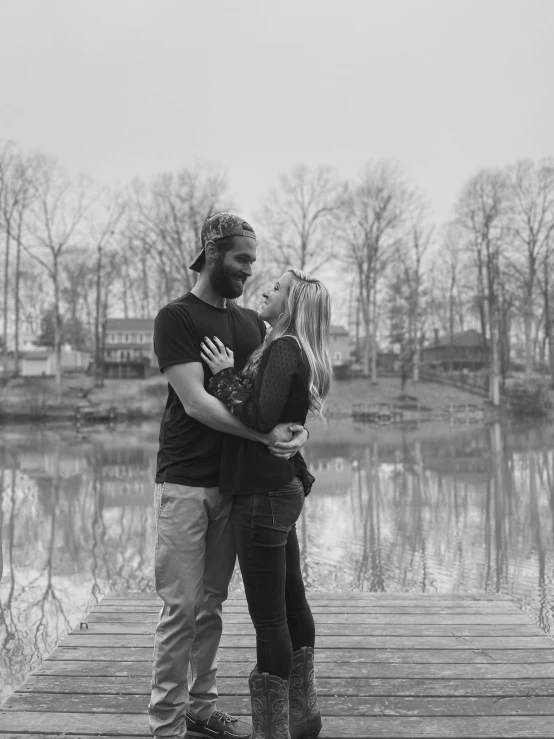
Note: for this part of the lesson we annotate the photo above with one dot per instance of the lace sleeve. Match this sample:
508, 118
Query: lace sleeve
230, 388
261, 406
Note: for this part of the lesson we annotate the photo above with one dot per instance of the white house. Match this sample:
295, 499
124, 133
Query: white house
37, 362
40, 361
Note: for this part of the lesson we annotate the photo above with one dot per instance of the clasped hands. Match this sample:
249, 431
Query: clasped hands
286, 438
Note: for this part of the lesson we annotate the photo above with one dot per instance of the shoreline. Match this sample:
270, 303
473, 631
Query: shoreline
129, 415
34, 400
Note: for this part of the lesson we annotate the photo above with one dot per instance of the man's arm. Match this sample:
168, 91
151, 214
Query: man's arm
261, 407
188, 382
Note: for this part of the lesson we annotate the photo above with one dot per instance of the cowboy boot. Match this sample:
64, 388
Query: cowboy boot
270, 706
305, 718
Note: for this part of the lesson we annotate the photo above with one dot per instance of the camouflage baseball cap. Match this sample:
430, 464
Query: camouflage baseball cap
220, 226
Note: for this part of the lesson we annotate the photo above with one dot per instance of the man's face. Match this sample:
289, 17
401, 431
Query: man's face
233, 267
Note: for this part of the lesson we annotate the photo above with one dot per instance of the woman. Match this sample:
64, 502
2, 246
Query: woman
285, 378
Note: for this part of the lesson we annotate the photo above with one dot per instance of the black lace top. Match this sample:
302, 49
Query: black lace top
278, 394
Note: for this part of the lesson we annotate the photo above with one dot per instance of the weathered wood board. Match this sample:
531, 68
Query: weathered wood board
388, 665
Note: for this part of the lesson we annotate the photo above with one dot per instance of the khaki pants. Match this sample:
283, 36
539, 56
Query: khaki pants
194, 561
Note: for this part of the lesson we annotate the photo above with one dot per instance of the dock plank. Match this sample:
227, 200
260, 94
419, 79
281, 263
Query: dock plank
340, 595
338, 629
333, 610
374, 669
354, 686
336, 727
130, 617
230, 654
342, 705
368, 641
394, 665
243, 654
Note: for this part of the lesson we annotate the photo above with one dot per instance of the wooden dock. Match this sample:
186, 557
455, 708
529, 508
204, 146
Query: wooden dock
387, 665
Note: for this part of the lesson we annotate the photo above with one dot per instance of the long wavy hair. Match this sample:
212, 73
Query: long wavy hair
306, 318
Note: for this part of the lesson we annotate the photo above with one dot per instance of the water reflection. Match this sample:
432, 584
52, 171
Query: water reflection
437, 510
427, 509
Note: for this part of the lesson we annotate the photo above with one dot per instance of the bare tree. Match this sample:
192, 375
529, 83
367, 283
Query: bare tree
104, 221
545, 286
7, 156
169, 214
453, 258
482, 211
15, 188
60, 204
372, 226
410, 255
299, 216
532, 227
25, 190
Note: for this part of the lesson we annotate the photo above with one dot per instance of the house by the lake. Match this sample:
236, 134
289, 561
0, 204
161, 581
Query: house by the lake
466, 350
40, 361
129, 348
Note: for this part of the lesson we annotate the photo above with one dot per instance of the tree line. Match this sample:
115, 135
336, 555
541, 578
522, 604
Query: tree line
76, 252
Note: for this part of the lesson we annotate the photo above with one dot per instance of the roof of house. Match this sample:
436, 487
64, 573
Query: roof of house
471, 337
37, 354
130, 324
335, 330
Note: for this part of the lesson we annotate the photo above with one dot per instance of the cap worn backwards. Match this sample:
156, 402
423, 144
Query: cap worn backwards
220, 226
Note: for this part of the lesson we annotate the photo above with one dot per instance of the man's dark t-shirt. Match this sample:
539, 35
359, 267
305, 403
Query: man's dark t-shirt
190, 452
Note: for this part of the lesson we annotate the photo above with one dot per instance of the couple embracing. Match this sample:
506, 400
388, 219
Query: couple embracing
231, 481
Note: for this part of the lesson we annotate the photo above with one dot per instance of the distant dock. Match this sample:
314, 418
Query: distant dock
387, 665
87, 414
385, 413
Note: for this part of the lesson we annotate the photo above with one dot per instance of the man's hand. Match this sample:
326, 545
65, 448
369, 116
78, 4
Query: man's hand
285, 449
281, 434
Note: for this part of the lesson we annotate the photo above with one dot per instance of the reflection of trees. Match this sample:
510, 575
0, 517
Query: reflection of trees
543, 476
2, 471
302, 533
419, 503
369, 572
475, 512
64, 543
13, 640
50, 605
408, 513
495, 520
546, 612
518, 534
33, 614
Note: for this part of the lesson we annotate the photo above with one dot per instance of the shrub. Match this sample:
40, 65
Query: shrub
529, 400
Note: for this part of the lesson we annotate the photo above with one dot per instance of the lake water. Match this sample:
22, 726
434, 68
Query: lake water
429, 509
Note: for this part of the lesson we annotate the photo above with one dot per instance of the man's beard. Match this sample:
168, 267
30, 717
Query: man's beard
227, 283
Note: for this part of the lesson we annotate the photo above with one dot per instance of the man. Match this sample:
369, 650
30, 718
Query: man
195, 552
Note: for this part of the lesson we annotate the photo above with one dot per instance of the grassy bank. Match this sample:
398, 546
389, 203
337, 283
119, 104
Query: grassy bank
429, 395
36, 399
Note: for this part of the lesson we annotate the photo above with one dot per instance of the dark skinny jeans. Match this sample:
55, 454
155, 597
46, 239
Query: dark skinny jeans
269, 557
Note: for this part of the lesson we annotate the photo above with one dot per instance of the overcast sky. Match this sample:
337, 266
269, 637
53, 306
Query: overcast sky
118, 88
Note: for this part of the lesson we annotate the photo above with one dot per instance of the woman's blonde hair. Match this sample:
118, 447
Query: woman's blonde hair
306, 318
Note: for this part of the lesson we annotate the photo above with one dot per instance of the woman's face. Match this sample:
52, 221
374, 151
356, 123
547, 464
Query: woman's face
275, 299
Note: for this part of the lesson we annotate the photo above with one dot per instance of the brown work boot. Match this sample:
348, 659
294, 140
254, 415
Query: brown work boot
270, 706
305, 718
